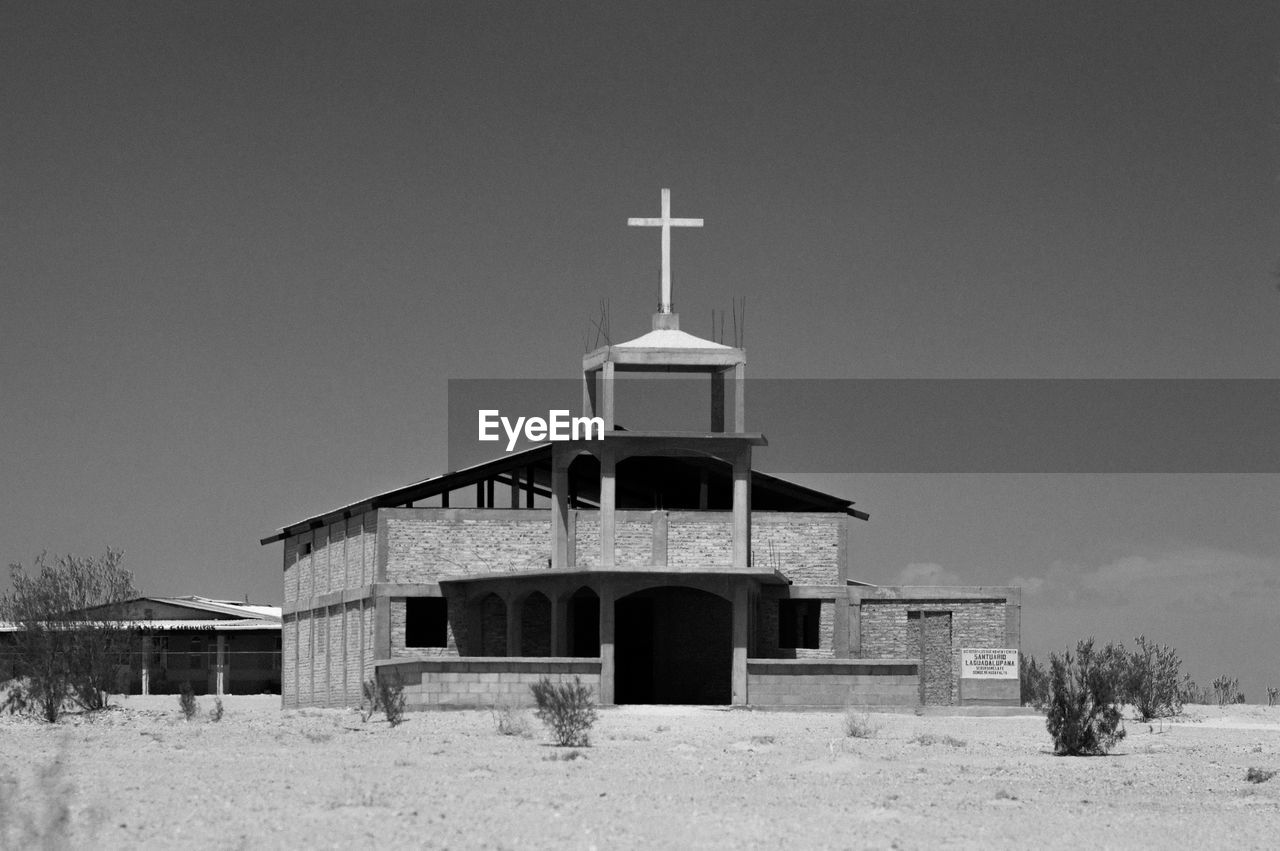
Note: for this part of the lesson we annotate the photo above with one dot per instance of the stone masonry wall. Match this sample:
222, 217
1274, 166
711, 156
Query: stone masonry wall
805, 547
425, 543
343, 555
887, 633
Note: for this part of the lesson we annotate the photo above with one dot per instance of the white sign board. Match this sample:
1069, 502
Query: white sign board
988, 664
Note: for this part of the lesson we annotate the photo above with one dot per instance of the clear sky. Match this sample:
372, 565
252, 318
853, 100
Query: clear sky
245, 245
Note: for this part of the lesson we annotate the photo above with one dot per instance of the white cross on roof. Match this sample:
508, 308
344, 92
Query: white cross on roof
666, 223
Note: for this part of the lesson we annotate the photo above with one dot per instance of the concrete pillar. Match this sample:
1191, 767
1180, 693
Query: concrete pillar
840, 639
558, 636
608, 505
606, 392
658, 545
381, 628
742, 509
515, 625
741, 635
146, 668
717, 401
560, 509
589, 393
608, 673
220, 677
740, 397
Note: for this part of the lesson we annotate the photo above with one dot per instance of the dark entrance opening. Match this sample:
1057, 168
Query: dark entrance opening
673, 645
584, 623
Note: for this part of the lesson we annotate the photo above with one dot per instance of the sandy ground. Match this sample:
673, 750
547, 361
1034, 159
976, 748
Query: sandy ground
141, 776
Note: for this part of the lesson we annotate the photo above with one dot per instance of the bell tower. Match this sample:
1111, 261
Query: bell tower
665, 349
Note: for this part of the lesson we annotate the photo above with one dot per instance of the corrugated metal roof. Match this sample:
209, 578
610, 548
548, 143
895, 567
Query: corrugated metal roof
201, 625
222, 607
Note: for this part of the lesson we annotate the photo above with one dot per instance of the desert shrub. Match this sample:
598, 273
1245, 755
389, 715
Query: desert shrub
857, 725
927, 739
1258, 775
1190, 693
510, 720
187, 701
70, 640
1033, 681
1083, 716
386, 693
567, 708
215, 714
1151, 680
1226, 689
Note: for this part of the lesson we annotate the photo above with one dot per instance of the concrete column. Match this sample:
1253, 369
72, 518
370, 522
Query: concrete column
608, 673
515, 625
381, 628
742, 509
717, 400
221, 670
608, 505
741, 635
146, 667
606, 391
557, 625
560, 509
589, 393
840, 640
658, 546
740, 397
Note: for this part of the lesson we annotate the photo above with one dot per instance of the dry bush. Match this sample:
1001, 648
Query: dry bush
1226, 690
1151, 680
1258, 775
927, 739
857, 725
1084, 714
215, 714
386, 693
1033, 682
187, 702
511, 721
71, 639
568, 709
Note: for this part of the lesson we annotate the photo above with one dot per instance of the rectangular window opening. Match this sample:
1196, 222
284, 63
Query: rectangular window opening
798, 622
426, 622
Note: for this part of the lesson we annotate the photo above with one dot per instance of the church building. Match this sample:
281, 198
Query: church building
658, 566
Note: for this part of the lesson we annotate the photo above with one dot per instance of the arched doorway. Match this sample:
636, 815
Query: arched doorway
583, 623
673, 645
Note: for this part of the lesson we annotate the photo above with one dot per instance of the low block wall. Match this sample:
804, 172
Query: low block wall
481, 682
834, 683
975, 692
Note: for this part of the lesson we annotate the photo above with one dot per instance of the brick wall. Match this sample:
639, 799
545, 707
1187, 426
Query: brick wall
766, 646
887, 633
288, 661
483, 683
424, 543
699, 538
343, 555
355, 651
805, 547
832, 683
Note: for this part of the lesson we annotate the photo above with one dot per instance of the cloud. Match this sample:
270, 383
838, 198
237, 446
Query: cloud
928, 574
1215, 606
